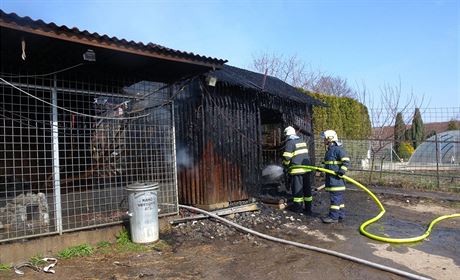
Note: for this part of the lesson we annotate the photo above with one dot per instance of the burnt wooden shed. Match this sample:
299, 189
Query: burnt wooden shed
228, 127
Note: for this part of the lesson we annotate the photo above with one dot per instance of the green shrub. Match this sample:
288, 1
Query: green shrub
405, 150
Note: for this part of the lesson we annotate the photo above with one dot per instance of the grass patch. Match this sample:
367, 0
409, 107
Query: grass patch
123, 237
4, 266
37, 261
103, 244
76, 251
104, 247
125, 244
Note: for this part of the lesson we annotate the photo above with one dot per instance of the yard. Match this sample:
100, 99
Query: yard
206, 249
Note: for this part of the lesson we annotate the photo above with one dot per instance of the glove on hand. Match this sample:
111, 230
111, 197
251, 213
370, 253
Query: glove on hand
341, 172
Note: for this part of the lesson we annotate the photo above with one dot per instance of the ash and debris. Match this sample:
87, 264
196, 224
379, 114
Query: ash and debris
266, 220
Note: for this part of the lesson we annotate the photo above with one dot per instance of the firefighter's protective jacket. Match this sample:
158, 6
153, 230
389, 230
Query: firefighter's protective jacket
335, 159
295, 153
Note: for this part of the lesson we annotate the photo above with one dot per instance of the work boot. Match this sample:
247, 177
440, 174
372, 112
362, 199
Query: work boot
329, 220
307, 210
297, 207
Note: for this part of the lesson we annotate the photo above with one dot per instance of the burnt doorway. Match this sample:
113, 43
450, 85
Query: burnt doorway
271, 124
272, 142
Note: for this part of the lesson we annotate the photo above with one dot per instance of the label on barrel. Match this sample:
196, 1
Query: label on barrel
147, 202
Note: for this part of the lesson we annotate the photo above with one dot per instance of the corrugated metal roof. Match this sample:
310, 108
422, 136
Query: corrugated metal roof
26, 24
259, 82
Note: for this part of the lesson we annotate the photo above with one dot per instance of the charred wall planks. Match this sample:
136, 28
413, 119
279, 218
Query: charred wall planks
217, 145
218, 136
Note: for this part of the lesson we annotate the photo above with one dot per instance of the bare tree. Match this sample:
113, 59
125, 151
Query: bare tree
297, 73
361, 92
288, 69
270, 64
334, 85
383, 118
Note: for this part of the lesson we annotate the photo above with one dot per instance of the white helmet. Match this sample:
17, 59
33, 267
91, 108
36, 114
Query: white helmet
330, 135
288, 131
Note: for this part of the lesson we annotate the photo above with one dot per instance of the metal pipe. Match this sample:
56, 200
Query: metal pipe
72, 90
29, 236
56, 169
438, 151
93, 226
174, 152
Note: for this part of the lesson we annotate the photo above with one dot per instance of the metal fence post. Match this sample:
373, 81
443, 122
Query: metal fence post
391, 152
174, 150
437, 159
56, 168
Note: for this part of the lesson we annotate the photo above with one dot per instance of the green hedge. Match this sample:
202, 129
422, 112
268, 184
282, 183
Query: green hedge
348, 117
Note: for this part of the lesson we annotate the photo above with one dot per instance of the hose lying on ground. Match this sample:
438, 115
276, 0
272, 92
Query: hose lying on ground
309, 247
363, 226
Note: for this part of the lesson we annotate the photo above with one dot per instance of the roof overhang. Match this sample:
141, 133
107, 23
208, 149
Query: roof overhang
100, 43
65, 42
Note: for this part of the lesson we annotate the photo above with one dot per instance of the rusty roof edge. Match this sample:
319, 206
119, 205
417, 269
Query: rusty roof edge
39, 27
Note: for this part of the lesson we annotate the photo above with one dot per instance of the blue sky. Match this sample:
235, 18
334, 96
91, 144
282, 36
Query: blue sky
372, 42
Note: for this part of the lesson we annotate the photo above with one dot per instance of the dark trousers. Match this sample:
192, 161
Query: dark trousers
337, 210
301, 191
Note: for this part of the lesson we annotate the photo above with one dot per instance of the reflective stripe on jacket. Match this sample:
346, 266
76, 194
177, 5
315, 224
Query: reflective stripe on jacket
296, 153
334, 159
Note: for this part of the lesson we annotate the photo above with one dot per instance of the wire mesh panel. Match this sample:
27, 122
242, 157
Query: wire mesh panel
25, 164
433, 156
69, 147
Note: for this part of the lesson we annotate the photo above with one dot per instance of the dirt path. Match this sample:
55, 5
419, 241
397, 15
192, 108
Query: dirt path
206, 249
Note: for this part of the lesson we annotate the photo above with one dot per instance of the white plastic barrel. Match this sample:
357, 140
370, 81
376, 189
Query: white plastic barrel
143, 211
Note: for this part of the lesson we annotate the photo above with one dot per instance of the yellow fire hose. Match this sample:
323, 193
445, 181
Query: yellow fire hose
363, 226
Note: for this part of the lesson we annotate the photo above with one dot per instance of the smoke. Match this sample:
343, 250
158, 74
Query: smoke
272, 172
183, 159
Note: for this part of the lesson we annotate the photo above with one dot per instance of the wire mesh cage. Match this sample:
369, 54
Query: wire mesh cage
69, 147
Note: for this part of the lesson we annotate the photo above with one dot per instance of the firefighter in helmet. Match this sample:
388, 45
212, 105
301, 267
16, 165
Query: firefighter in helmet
335, 159
296, 153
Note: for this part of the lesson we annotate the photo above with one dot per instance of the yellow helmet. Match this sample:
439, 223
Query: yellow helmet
330, 135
